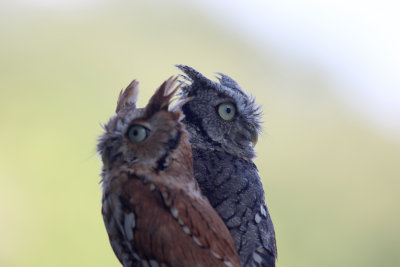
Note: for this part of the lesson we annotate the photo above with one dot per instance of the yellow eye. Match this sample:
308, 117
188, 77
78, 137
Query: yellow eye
226, 111
137, 133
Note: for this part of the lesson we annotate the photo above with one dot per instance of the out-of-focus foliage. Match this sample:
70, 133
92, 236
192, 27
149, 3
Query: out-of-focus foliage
332, 183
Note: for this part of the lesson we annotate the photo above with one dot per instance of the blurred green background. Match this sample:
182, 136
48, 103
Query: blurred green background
332, 181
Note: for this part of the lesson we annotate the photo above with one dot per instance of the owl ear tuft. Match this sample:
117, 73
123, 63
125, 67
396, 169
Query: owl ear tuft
192, 74
128, 98
162, 97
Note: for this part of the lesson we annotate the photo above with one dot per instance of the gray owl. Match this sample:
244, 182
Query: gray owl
224, 122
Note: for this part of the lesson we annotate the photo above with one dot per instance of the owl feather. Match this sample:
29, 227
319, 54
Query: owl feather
153, 209
224, 123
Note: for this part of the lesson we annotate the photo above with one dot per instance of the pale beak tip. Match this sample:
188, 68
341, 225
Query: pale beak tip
254, 139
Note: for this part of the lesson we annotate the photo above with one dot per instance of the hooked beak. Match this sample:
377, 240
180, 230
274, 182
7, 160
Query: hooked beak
108, 157
254, 138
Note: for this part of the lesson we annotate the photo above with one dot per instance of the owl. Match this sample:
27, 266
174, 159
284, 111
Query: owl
224, 123
153, 209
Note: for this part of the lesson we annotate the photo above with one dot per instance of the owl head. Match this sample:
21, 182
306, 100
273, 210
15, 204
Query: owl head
144, 138
221, 116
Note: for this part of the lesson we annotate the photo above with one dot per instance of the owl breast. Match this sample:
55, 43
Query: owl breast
234, 189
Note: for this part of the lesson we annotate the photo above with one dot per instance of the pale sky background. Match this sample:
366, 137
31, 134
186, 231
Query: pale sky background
354, 43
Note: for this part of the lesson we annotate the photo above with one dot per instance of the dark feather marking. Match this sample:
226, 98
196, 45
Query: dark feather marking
220, 202
230, 217
192, 119
217, 187
125, 205
244, 188
171, 145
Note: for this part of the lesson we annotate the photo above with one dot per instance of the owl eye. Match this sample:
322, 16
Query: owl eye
226, 111
137, 133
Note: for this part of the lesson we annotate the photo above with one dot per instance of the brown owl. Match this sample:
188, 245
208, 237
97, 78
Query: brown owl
153, 209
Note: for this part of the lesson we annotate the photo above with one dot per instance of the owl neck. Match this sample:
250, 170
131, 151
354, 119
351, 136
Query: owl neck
174, 167
177, 162
200, 139
245, 153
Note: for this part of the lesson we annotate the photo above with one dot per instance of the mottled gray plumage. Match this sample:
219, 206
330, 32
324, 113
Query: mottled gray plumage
223, 166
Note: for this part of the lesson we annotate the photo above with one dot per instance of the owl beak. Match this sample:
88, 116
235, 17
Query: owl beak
109, 157
254, 138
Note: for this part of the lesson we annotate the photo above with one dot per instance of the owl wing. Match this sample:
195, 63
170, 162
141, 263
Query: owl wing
201, 223
265, 254
159, 225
